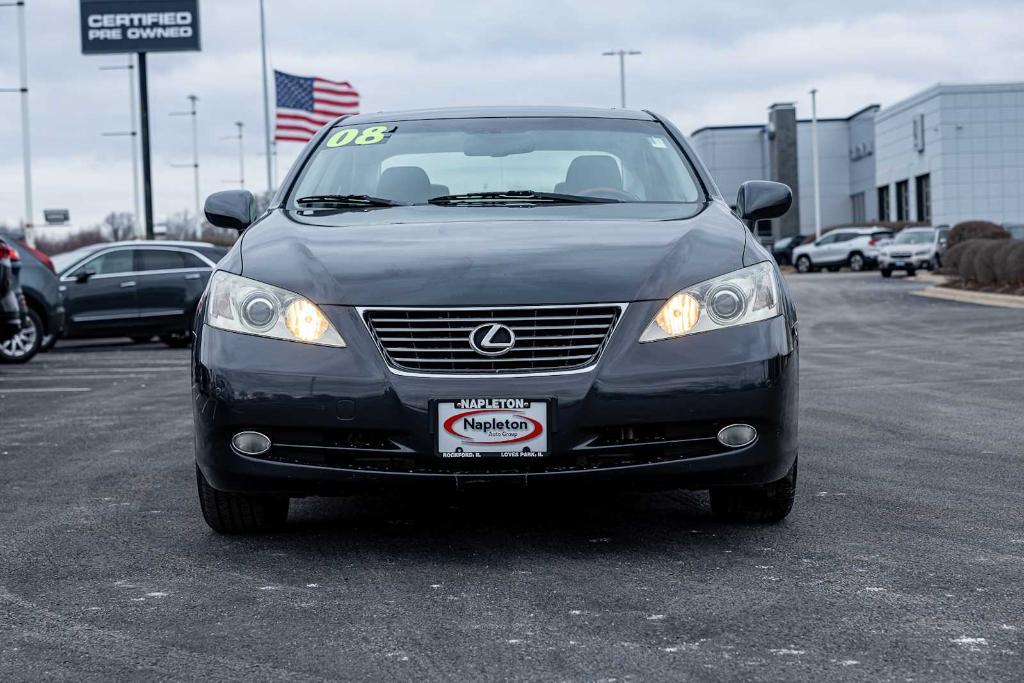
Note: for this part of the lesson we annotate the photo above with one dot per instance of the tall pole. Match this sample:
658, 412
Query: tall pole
621, 54
147, 169
132, 135
266, 100
135, 147
26, 148
195, 160
814, 153
241, 155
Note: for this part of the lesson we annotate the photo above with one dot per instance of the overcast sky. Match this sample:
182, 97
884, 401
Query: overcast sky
703, 63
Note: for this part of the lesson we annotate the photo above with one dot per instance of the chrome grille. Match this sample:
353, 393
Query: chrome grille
548, 338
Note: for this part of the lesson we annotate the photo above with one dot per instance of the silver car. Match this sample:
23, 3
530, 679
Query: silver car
913, 249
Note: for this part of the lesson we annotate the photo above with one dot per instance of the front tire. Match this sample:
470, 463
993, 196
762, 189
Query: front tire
22, 347
763, 503
803, 265
886, 272
238, 513
856, 262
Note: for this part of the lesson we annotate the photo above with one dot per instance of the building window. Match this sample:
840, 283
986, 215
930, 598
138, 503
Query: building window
923, 186
883, 203
903, 200
859, 211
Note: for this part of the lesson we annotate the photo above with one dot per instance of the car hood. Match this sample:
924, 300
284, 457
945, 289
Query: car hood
489, 262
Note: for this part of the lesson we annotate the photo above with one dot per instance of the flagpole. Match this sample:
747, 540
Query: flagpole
266, 100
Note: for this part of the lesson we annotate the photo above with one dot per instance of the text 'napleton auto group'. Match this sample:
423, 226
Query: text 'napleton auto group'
947, 154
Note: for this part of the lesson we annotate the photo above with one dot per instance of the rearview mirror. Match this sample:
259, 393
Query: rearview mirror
232, 209
84, 275
761, 199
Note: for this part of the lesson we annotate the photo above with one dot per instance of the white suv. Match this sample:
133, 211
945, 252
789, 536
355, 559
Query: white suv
857, 248
914, 249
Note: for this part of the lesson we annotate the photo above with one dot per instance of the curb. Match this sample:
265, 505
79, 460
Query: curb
968, 297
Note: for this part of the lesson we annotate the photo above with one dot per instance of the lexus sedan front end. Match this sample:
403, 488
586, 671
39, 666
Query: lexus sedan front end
523, 297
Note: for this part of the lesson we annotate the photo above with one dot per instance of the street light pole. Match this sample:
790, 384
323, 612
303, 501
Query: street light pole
26, 148
622, 54
241, 152
132, 135
266, 100
195, 156
241, 155
814, 153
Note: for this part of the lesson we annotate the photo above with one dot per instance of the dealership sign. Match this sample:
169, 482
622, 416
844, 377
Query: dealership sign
110, 26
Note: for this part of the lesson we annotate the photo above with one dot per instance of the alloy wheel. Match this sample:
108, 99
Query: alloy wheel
856, 263
21, 344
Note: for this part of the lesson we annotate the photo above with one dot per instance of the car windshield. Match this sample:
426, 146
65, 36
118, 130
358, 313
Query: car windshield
915, 237
495, 161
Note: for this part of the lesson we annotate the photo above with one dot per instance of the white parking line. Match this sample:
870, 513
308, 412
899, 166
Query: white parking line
46, 390
50, 378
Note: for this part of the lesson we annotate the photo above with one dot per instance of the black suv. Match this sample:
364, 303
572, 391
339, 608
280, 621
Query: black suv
137, 289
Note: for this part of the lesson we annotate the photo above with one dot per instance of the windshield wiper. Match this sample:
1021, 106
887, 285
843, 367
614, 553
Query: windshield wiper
347, 200
519, 197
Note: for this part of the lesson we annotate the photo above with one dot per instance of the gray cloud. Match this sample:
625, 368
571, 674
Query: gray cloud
703, 63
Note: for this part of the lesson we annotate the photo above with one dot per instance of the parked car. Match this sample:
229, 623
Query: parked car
136, 289
45, 308
913, 249
856, 248
22, 337
495, 296
782, 250
10, 310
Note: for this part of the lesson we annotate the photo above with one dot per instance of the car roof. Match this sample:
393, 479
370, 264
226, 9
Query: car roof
497, 112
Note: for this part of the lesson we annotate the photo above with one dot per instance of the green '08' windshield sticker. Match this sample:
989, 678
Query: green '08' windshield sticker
374, 135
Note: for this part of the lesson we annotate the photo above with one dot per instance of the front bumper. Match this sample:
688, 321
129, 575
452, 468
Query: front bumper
905, 263
646, 415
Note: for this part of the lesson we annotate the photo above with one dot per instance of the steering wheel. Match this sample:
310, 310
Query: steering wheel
609, 193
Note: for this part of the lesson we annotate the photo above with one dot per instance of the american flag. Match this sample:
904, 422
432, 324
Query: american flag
305, 103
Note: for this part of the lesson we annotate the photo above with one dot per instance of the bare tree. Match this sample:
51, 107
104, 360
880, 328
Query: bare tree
120, 225
180, 226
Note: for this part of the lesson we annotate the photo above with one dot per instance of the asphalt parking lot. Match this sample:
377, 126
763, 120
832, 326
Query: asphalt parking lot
902, 560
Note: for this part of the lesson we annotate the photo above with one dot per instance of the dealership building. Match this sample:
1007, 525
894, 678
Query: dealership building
947, 154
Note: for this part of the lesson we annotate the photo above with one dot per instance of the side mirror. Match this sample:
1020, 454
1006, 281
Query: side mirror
943, 241
83, 276
760, 199
232, 209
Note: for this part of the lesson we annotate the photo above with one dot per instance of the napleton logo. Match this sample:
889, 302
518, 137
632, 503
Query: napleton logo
493, 427
492, 339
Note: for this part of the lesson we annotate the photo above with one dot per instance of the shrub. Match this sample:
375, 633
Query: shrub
986, 263
1012, 267
953, 256
974, 230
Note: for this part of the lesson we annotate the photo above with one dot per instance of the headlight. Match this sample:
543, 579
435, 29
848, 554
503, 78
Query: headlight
742, 297
924, 252
238, 304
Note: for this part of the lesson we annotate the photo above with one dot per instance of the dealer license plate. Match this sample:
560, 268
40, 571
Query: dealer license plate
492, 428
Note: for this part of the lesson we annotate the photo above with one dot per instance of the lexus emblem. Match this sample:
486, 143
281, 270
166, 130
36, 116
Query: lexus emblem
492, 339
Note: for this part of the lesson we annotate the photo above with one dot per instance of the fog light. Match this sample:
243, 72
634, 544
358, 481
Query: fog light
250, 443
737, 436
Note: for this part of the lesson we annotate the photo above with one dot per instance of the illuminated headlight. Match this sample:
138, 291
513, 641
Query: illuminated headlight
238, 304
738, 298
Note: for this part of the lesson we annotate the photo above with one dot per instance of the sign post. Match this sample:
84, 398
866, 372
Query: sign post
140, 26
